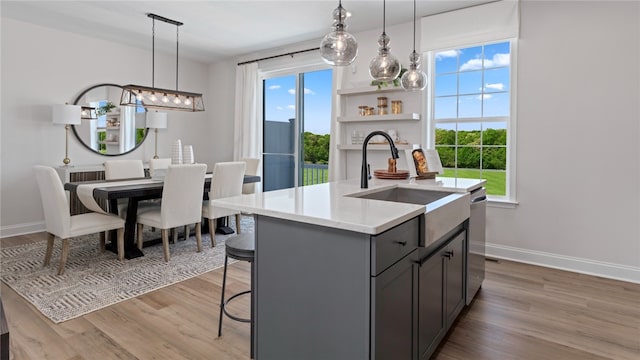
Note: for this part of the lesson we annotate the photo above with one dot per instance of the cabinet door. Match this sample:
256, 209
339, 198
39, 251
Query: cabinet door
430, 309
393, 304
455, 260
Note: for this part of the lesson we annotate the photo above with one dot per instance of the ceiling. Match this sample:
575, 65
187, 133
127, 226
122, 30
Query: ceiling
214, 30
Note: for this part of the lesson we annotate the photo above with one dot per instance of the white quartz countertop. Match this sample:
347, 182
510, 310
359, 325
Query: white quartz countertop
330, 205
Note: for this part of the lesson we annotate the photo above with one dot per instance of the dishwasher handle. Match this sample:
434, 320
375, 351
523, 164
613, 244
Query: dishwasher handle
479, 199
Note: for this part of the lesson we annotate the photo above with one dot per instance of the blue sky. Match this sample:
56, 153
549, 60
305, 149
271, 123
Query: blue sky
280, 99
471, 82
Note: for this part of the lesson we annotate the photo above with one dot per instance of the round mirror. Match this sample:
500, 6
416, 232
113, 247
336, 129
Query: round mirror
114, 130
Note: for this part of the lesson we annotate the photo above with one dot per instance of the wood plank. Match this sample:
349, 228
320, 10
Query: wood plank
521, 312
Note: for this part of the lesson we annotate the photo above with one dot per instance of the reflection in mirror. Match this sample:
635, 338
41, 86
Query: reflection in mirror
118, 129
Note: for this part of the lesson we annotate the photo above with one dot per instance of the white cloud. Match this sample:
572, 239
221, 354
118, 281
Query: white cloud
496, 86
476, 64
291, 107
484, 96
446, 54
309, 91
279, 108
292, 91
274, 87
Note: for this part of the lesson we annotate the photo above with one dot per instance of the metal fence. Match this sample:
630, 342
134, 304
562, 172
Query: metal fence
315, 174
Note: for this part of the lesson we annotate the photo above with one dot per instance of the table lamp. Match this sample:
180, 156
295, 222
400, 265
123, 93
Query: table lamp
68, 115
156, 120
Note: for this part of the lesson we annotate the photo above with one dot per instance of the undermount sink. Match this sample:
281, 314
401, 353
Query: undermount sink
404, 195
444, 210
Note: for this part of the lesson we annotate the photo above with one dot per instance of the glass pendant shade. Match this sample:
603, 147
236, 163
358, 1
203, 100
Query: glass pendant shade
384, 66
414, 78
339, 47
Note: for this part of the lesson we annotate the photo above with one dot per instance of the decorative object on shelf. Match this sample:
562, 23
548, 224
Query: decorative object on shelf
176, 153
384, 66
339, 47
104, 109
414, 79
156, 98
67, 115
156, 120
396, 107
88, 113
362, 110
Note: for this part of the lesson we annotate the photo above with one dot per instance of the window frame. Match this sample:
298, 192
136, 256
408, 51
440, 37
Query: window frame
509, 199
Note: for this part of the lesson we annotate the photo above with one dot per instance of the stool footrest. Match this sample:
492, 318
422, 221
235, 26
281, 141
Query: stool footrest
224, 307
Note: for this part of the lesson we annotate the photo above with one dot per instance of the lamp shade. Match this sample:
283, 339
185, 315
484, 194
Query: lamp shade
156, 120
66, 114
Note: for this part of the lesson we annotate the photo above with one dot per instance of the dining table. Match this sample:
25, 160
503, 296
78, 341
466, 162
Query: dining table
135, 190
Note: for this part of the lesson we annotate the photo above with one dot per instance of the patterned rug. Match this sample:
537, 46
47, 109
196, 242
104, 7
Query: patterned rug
94, 280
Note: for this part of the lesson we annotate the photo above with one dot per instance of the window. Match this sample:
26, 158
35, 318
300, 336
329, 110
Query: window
297, 121
471, 112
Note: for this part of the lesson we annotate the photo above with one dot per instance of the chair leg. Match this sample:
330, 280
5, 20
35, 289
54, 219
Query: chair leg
186, 232
199, 236
121, 244
103, 237
140, 238
212, 232
238, 223
63, 256
224, 283
175, 235
165, 244
47, 255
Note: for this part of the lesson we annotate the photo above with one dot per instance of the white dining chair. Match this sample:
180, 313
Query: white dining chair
226, 181
181, 204
158, 164
251, 169
60, 224
125, 169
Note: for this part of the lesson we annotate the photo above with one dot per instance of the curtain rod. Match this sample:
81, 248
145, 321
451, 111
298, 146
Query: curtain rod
275, 56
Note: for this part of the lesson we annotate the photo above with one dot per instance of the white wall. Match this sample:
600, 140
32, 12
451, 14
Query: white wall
41, 67
578, 154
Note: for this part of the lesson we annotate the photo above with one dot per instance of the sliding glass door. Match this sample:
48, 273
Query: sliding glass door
296, 123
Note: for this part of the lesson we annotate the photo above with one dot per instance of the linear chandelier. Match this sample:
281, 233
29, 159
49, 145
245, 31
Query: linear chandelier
156, 98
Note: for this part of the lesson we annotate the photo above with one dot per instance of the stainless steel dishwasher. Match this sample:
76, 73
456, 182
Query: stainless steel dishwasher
476, 238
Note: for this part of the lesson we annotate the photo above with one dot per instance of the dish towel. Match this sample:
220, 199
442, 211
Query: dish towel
176, 152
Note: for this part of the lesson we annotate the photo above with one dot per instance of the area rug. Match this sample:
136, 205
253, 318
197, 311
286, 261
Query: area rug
94, 280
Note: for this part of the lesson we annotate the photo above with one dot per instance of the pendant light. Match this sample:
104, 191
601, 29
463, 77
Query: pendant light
414, 78
339, 47
384, 66
156, 98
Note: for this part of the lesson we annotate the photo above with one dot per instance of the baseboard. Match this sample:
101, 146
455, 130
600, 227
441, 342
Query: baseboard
21, 229
568, 263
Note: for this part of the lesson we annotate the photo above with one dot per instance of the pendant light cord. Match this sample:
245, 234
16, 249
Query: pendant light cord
153, 52
414, 25
384, 18
340, 14
177, 36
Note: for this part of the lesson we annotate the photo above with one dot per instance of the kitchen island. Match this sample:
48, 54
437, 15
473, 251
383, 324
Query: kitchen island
337, 275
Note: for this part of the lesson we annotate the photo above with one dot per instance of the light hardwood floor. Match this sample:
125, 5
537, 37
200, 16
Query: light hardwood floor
522, 312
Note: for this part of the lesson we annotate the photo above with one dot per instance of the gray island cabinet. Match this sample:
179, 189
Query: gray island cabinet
341, 273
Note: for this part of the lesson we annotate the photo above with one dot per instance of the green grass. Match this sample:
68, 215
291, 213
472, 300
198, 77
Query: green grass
496, 179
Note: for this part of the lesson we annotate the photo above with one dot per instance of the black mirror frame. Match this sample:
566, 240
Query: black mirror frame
146, 133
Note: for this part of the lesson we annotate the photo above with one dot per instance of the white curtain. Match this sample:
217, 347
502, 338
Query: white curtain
337, 159
498, 20
247, 125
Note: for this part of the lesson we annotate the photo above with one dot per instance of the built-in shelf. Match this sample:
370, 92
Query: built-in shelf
369, 90
109, 142
374, 147
390, 117
113, 128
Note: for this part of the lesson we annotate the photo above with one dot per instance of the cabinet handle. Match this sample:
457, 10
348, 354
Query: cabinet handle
447, 254
403, 243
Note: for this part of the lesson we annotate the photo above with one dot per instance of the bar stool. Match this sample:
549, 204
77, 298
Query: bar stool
241, 247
